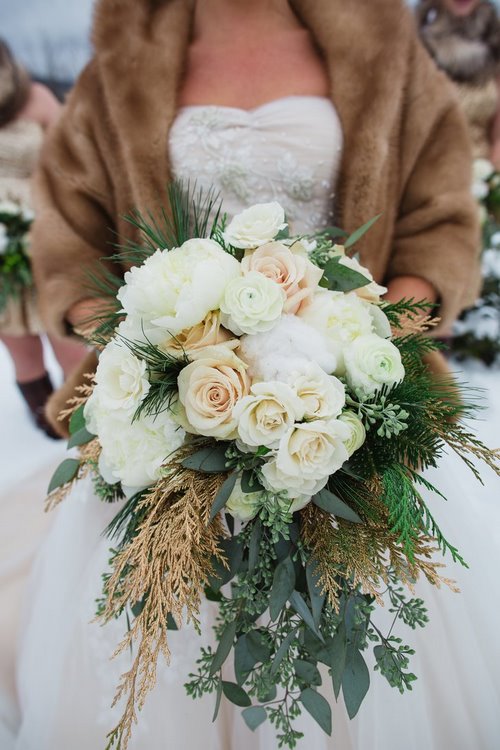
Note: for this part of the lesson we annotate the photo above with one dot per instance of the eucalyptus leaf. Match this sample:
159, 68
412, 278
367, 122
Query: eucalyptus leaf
337, 652
326, 500
64, 473
254, 545
217, 700
233, 549
171, 623
283, 587
250, 482
223, 495
316, 595
77, 420
355, 236
342, 278
210, 460
254, 716
224, 647
258, 646
244, 661
236, 694
303, 610
307, 672
318, 707
283, 650
355, 680
80, 437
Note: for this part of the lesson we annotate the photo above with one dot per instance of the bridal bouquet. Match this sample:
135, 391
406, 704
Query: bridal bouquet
15, 267
263, 417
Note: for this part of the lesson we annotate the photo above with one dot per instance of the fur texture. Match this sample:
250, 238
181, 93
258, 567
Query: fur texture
406, 148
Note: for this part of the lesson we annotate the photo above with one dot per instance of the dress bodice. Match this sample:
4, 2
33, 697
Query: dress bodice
287, 150
20, 143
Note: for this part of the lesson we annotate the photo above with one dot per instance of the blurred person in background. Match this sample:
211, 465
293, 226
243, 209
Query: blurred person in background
27, 110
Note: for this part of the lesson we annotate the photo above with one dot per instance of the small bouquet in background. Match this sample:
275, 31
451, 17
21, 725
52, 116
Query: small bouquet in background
15, 266
263, 419
476, 334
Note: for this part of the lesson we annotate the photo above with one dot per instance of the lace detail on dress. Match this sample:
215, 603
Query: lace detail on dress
288, 150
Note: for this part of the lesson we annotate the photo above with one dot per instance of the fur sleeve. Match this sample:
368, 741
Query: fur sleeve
436, 235
73, 208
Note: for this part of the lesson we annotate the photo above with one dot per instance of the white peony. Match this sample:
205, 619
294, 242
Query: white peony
4, 239
243, 505
121, 378
372, 362
251, 304
322, 395
357, 431
267, 413
307, 455
176, 289
255, 226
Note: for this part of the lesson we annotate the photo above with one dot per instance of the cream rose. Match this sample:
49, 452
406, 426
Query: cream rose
267, 413
255, 226
209, 332
293, 272
209, 389
357, 429
243, 505
121, 378
322, 395
371, 363
307, 455
251, 304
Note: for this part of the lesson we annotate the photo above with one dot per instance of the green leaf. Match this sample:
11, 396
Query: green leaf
244, 661
318, 707
307, 672
80, 437
341, 278
64, 473
355, 236
217, 700
249, 482
258, 646
210, 460
77, 421
254, 717
355, 680
171, 623
235, 694
337, 653
254, 545
326, 500
282, 589
302, 609
283, 650
316, 596
224, 647
223, 495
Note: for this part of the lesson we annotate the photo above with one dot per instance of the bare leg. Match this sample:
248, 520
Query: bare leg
27, 355
69, 353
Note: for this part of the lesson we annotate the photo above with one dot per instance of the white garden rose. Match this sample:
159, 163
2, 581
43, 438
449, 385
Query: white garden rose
357, 430
293, 272
267, 413
243, 505
340, 318
209, 389
251, 304
372, 362
121, 378
174, 290
308, 454
4, 240
322, 395
255, 226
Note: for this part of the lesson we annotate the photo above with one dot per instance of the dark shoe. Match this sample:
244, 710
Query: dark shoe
35, 393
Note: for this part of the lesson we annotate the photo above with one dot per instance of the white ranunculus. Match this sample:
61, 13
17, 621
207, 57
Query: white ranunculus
251, 304
322, 395
255, 226
340, 318
381, 325
357, 429
176, 289
243, 505
121, 378
307, 455
4, 239
372, 362
267, 413
132, 452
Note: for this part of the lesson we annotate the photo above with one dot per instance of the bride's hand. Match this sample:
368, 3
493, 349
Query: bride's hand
410, 287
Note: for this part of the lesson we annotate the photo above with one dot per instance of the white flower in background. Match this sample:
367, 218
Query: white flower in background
255, 226
4, 239
322, 395
276, 354
121, 379
294, 273
482, 170
27, 213
176, 289
132, 452
307, 455
371, 363
209, 389
340, 317
490, 262
10, 208
267, 413
251, 304
357, 429
243, 505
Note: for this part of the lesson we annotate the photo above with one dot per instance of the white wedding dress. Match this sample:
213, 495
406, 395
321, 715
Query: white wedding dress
288, 150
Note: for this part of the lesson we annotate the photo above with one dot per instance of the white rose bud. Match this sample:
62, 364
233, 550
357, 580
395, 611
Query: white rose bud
357, 428
251, 304
255, 226
264, 416
372, 362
